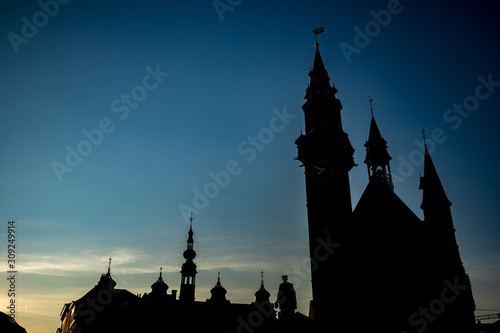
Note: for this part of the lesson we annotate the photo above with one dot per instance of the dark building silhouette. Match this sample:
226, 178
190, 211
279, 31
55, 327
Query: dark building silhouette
403, 274
8, 325
374, 267
188, 271
107, 309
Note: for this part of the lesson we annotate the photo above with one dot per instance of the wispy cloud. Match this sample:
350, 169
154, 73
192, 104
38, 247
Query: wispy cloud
88, 262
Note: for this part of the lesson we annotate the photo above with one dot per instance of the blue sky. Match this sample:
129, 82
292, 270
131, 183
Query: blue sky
229, 75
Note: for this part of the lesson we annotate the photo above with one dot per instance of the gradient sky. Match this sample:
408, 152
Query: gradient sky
228, 76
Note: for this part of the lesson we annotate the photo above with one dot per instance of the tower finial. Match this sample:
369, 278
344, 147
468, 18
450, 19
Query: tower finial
109, 266
370, 99
424, 136
191, 220
317, 32
262, 277
161, 269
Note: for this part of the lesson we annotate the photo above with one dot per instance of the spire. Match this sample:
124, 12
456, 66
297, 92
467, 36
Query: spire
377, 158
188, 271
190, 240
218, 292
262, 294
106, 279
190, 253
319, 86
322, 108
433, 191
160, 286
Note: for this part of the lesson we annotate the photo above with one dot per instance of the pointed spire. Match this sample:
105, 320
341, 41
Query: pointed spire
218, 292
160, 286
433, 191
188, 271
377, 157
319, 87
262, 294
106, 279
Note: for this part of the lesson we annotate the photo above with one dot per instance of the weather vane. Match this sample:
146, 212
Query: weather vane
371, 107
317, 32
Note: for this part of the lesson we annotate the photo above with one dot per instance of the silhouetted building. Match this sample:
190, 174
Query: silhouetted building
9, 325
188, 272
107, 309
377, 266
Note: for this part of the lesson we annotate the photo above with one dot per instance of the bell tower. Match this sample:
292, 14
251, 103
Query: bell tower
377, 158
327, 157
188, 271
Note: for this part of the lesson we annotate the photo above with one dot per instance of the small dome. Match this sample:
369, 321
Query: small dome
159, 286
218, 292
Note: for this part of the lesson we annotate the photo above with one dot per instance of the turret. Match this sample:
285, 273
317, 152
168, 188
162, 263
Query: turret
188, 271
377, 158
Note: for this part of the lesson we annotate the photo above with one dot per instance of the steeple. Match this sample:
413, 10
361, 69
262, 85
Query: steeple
159, 286
442, 243
262, 294
106, 279
322, 108
188, 271
433, 191
377, 158
262, 304
218, 293
327, 157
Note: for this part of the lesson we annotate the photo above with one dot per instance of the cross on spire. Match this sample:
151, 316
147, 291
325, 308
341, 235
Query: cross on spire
424, 136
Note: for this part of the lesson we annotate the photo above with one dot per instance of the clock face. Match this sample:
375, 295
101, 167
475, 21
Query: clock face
322, 170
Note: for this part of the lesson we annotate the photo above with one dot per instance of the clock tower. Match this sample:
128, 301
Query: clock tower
327, 157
